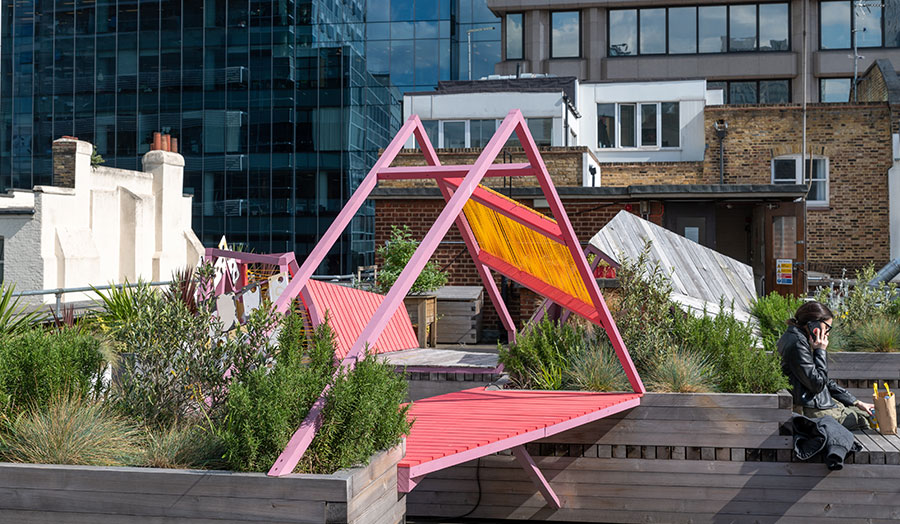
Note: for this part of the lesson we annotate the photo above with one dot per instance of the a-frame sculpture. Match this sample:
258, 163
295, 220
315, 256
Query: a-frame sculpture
537, 251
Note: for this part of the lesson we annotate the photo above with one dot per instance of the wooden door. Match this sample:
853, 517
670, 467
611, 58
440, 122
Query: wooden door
785, 255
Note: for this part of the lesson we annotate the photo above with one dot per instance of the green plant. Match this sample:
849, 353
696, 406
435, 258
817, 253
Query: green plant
96, 159
879, 334
362, 416
855, 303
597, 368
69, 430
773, 312
14, 318
266, 406
396, 252
121, 303
38, 365
682, 371
540, 357
182, 446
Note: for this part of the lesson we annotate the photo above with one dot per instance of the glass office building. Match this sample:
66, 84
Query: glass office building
275, 111
277, 108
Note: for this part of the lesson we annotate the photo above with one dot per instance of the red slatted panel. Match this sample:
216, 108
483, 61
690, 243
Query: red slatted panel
349, 310
457, 422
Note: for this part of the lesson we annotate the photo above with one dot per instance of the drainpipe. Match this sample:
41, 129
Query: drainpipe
721, 127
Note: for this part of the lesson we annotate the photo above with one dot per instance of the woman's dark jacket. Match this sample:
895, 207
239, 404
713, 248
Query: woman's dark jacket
808, 373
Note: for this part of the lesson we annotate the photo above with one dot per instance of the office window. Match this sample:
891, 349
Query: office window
627, 127
754, 92
671, 124
653, 31
481, 131
713, 29
649, 131
868, 26
891, 23
774, 26
774, 92
541, 130
833, 90
606, 126
742, 93
515, 36
454, 134
789, 170
682, 30
834, 25
742, 28
565, 34
622, 32
431, 129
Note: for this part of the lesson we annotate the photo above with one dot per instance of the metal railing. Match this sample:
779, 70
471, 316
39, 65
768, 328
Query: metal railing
60, 291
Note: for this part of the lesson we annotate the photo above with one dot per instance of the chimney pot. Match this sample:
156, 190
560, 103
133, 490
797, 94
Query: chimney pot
165, 142
174, 145
157, 142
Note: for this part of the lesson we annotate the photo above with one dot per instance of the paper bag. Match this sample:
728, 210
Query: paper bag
886, 413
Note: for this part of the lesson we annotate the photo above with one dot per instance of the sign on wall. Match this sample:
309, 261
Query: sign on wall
784, 271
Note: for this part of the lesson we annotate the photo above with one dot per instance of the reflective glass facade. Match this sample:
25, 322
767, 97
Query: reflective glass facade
421, 42
274, 108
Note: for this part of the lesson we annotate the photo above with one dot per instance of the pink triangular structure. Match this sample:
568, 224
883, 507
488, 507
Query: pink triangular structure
458, 184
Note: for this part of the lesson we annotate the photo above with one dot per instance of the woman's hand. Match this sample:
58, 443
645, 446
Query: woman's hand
819, 339
868, 408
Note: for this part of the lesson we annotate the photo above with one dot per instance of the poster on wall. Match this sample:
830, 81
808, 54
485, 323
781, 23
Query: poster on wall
784, 271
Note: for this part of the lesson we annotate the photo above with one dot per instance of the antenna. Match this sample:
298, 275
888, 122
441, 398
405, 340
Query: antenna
860, 6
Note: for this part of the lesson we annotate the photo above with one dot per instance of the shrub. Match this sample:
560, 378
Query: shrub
69, 430
37, 366
14, 318
597, 368
396, 252
878, 334
773, 312
540, 357
681, 371
855, 305
178, 363
121, 304
267, 406
362, 416
182, 446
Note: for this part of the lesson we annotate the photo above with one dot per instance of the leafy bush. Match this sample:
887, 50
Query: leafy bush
540, 357
182, 446
681, 371
396, 252
597, 368
177, 363
773, 312
121, 304
879, 334
266, 406
854, 304
69, 430
37, 366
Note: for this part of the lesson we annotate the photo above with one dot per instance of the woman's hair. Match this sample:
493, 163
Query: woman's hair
810, 312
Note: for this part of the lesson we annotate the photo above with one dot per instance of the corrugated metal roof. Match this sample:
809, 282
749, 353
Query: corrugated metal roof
349, 310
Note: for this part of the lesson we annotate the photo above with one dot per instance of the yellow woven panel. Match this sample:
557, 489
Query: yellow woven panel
526, 249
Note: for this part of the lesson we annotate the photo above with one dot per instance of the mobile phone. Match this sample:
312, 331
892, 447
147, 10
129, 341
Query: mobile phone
810, 326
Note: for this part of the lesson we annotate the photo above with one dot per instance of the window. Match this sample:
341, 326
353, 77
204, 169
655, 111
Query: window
789, 170
648, 125
606, 126
565, 34
713, 29
754, 92
833, 90
653, 31
682, 30
481, 131
431, 129
515, 36
627, 128
877, 24
454, 134
2, 257
541, 130
699, 29
623, 32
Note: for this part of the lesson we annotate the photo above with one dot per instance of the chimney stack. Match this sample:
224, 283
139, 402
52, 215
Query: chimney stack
66, 151
163, 142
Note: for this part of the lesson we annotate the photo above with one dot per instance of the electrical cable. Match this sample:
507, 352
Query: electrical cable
455, 258
464, 515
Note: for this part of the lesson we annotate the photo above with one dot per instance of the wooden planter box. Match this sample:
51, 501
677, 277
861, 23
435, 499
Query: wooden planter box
858, 370
40, 493
422, 311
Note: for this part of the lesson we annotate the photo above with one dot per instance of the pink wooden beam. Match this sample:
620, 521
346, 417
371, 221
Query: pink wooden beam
571, 241
515, 211
315, 258
249, 258
462, 224
537, 477
452, 171
405, 484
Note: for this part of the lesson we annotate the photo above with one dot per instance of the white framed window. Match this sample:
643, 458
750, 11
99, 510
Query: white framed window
454, 133
645, 125
788, 169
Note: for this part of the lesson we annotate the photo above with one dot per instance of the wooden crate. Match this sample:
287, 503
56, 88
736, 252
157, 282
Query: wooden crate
459, 314
422, 311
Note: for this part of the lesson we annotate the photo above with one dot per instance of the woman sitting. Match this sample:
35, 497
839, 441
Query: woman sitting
804, 361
